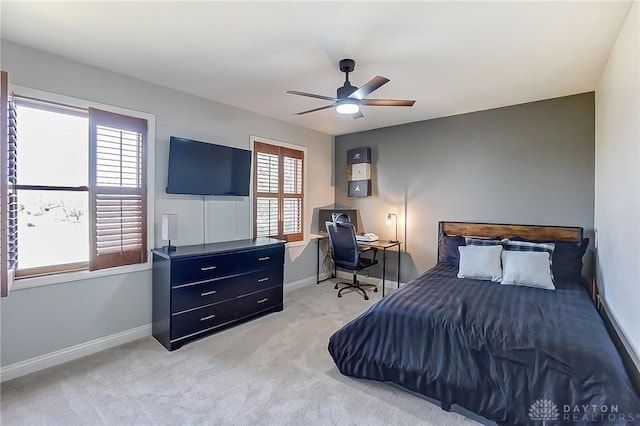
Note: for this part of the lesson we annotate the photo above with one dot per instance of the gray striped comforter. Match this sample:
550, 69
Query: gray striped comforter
494, 350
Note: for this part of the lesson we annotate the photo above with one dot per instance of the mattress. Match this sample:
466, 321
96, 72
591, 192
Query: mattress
511, 354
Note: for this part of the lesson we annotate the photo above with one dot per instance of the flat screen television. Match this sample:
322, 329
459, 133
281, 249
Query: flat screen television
201, 168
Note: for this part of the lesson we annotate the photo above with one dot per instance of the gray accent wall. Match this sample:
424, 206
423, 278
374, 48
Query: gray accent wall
40, 320
526, 164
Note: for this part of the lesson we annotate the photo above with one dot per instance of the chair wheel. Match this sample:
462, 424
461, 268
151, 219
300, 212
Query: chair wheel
336, 287
366, 297
375, 289
339, 295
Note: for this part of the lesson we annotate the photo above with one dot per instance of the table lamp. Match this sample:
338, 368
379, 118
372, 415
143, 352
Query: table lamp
390, 221
169, 229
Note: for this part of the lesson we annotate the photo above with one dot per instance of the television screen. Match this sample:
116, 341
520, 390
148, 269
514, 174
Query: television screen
202, 168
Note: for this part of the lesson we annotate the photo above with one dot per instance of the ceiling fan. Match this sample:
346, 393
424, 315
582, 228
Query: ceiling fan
349, 98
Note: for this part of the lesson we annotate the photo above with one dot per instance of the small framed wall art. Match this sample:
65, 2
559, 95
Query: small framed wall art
359, 172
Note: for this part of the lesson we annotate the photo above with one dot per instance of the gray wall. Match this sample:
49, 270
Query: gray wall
529, 164
40, 320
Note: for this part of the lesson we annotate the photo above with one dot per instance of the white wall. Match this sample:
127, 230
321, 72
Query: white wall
40, 320
617, 180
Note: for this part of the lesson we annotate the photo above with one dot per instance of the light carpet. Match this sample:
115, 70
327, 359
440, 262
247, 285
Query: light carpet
274, 370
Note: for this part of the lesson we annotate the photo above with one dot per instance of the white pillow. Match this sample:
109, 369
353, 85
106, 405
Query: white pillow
480, 263
528, 268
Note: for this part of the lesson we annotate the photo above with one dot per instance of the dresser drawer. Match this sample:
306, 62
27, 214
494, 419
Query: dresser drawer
197, 320
259, 280
206, 293
261, 259
259, 301
185, 271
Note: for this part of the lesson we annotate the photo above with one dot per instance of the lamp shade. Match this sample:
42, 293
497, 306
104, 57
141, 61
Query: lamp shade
391, 218
169, 227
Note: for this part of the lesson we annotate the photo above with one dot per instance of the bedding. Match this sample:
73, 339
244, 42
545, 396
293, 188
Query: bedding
527, 268
517, 245
480, 262
566, 262
494, 350
470, 241
448, 249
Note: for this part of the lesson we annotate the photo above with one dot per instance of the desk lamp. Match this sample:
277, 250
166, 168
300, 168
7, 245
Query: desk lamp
390, 221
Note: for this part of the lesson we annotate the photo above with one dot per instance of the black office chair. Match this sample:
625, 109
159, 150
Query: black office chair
345, 253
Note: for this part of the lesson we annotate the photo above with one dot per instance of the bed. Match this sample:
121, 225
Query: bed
509, 353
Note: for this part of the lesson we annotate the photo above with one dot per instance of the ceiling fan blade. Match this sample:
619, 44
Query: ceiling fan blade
311, 95
357, 115
386, 102
315, 109
371, 85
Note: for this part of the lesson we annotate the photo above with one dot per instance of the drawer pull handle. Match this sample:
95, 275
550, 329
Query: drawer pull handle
261, 280
208, 268
207, 317
208, 293
264, 258
263, 300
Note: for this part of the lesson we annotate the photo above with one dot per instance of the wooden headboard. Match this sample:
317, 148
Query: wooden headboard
530, 232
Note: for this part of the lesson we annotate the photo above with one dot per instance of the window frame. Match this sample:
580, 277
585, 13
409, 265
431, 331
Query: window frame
305, 215
84, 274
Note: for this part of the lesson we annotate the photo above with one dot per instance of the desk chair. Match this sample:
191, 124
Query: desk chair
345, 253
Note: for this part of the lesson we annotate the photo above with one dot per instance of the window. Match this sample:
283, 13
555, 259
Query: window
278, 192
81, 188
52, 188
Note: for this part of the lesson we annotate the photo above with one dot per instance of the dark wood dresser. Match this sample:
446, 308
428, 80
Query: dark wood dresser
201, 289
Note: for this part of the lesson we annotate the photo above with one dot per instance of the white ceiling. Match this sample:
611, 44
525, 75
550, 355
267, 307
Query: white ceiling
451, 57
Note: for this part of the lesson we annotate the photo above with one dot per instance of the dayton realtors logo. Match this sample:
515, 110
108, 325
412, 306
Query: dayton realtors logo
545, 410
597, 413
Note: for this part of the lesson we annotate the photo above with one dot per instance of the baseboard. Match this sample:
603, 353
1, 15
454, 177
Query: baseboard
61, 356
299, 284
630, 358
304, 282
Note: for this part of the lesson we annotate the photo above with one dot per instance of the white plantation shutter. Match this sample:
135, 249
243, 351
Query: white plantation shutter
266, 211
9, 202
292, 194
117, 189
278, 192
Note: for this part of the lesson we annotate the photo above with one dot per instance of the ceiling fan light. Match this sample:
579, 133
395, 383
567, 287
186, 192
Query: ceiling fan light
347, 107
